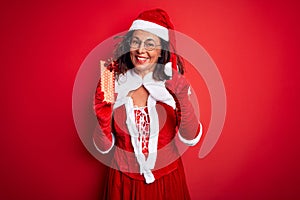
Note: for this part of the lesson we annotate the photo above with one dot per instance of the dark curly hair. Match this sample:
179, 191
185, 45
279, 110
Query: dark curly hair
122, 57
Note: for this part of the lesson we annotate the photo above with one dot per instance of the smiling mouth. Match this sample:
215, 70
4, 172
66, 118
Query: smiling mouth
141, 60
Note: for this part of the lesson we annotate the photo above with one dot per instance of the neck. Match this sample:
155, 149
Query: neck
143, 73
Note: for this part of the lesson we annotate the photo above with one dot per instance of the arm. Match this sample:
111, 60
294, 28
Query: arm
190, 129
103, 137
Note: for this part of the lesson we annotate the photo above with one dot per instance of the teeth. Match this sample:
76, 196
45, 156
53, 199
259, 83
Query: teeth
141, 59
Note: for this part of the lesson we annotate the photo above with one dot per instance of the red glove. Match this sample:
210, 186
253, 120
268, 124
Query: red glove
102, 136
189, 126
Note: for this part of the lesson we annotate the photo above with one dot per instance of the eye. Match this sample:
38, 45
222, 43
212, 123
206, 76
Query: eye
150, 44
135, 42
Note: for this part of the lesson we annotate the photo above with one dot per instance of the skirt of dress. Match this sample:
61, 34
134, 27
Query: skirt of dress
172, 186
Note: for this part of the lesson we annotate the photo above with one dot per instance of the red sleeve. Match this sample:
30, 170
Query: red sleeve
189, 127
103, 137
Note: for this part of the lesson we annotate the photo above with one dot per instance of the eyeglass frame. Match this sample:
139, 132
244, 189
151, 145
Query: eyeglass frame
140, 42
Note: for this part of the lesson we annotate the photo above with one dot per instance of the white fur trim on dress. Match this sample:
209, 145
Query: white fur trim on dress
131, 81
151, 27
157, 92
192, 142
145, 164
112, 145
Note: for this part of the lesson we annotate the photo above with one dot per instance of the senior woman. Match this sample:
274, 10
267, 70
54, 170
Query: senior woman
151, 108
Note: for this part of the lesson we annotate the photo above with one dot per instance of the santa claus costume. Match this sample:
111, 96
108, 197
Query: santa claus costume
147, 164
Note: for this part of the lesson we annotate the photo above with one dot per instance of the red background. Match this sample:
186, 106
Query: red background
253, 43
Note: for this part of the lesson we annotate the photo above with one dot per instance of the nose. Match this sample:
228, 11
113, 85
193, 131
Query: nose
141, 48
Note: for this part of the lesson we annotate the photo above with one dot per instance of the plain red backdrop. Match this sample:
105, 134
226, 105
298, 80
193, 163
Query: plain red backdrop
254, 44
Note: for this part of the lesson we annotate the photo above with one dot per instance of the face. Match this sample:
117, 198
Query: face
144, 61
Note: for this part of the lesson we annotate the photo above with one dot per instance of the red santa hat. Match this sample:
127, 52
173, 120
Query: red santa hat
157, 22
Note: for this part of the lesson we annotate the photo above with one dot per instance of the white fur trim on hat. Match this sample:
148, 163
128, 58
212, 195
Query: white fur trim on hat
151, 27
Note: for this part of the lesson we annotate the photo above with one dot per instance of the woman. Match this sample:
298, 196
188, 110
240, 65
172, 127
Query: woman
151, 107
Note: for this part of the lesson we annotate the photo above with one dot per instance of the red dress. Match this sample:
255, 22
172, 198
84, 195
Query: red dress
170, 186
170, 182
146, 163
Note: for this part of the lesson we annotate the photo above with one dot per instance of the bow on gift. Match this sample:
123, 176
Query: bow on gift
111, 65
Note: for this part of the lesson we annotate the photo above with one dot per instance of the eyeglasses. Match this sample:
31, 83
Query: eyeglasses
149, 44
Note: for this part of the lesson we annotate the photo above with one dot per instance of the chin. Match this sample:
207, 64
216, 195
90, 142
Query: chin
141, 67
